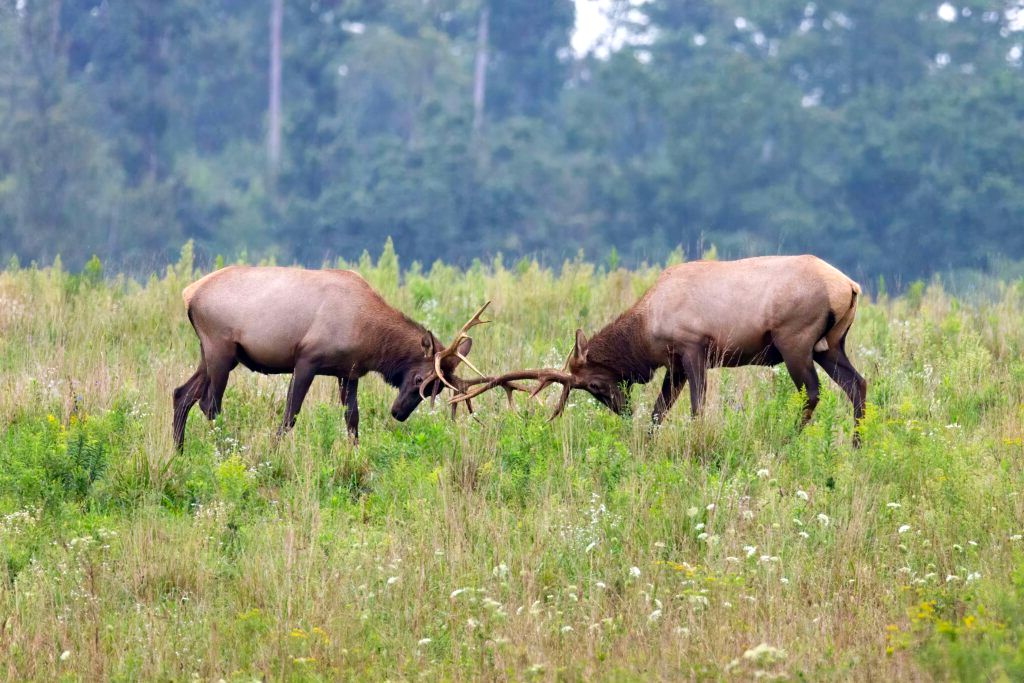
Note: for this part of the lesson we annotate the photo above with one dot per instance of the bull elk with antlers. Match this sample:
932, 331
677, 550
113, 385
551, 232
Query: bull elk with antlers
795, 310
310, 322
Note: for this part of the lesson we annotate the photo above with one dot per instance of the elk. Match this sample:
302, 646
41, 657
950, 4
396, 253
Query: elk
311, 322
767, 310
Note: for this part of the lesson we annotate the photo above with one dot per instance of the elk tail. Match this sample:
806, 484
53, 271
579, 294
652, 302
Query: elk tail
834, 336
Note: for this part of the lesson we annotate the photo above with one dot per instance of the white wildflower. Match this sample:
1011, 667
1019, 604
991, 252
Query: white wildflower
65, 656
692, 512
803, 534
802, 495
894, 506
764, 653
567, 629
634, 572
424, 641
952, 577
457, 592
903, 529
763, 473
973, 576
750, 550
823, 519
392, 580
654, 616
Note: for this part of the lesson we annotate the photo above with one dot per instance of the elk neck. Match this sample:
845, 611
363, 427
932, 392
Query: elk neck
396, 345
623, 347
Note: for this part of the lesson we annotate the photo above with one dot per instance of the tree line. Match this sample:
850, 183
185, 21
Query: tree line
885, 137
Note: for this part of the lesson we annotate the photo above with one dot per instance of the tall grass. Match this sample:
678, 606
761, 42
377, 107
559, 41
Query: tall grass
505, 547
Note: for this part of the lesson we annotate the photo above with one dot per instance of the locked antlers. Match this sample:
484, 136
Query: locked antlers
463, 389
458, 385
545, 376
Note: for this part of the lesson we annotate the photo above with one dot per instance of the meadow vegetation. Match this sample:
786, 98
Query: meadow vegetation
505, 547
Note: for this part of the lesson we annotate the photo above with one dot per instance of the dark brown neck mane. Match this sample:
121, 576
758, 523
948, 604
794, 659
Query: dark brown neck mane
622, 347
397, 346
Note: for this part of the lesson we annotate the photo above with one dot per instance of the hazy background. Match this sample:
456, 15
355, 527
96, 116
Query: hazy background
886, 137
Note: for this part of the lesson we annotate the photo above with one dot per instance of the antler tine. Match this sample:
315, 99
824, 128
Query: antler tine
473, 322
566, 388
468, 363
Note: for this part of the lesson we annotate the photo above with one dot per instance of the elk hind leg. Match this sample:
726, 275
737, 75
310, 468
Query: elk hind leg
218, 368
837, 365
185, 397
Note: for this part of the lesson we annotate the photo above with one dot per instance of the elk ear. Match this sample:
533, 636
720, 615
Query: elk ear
580, 350
453, 362
429, 348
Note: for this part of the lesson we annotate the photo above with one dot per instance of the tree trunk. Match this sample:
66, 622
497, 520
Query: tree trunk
480, 73
274, 105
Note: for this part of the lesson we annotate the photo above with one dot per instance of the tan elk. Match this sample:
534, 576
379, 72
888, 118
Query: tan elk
795, 310
310, 322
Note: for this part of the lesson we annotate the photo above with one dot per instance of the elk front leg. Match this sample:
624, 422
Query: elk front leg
696, 369
302, 378
349, 395
801, 370
671, 387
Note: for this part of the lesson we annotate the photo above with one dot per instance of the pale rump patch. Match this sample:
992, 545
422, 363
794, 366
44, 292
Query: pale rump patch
822, 345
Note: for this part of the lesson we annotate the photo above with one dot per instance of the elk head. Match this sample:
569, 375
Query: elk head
434, 371
579, 372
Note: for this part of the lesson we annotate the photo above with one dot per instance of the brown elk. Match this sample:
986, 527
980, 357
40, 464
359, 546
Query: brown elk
795, 310
310, 322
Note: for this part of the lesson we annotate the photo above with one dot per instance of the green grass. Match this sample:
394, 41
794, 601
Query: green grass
505, 547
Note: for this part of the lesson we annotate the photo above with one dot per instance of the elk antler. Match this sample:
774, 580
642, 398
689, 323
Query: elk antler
455, 383
453, 348
546, 377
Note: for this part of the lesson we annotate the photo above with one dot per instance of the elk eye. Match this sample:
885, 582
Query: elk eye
418, 380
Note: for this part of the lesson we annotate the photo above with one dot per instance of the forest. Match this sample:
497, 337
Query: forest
885, 137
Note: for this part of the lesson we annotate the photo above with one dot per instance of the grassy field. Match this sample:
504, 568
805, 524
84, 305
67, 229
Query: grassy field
728, 547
